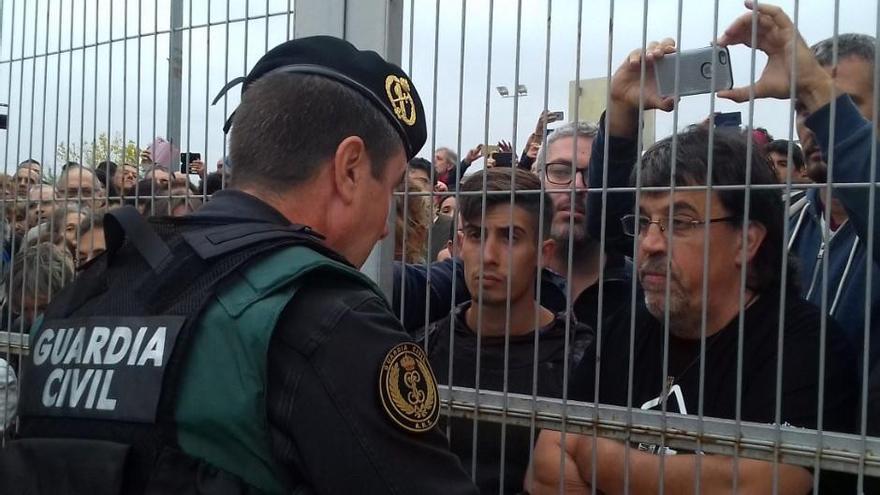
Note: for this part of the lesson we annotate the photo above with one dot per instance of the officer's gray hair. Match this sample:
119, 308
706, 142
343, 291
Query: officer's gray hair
579, 129
848, 45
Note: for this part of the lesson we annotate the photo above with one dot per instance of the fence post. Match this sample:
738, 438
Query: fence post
175, 73
370, 25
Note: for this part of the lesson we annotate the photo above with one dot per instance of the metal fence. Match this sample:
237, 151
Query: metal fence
92, 81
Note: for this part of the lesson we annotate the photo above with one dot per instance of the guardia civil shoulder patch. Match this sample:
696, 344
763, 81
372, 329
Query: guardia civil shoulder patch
408, 388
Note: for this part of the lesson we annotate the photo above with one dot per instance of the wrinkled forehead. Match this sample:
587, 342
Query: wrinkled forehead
77, 177
689, 202
40, 193
28, 171
74, 217
564, 149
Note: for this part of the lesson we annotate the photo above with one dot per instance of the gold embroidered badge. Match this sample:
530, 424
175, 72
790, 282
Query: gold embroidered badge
408, 388
398, 91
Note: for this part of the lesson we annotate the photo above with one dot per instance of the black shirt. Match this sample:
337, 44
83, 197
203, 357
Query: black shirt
800, 370
616, 293
520, 369
329, 429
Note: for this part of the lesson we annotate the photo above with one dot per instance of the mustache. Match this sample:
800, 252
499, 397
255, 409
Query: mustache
565, 204
654, 265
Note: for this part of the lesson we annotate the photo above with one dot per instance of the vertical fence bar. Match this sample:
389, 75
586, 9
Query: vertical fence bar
507, 313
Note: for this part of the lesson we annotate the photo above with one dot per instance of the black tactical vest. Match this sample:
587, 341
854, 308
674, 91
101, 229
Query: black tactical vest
134, 308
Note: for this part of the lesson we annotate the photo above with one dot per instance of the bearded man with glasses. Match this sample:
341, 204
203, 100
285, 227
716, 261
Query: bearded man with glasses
705, 336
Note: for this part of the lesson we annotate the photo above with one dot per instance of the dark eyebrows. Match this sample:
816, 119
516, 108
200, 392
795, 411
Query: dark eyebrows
677, 207
468, 227
507, 230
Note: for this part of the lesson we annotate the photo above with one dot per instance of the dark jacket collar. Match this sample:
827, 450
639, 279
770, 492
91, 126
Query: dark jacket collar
230, 204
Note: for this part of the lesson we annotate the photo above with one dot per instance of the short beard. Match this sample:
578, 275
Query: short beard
683, 319
581, 244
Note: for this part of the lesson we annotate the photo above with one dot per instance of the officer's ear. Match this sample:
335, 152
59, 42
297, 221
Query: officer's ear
351, 166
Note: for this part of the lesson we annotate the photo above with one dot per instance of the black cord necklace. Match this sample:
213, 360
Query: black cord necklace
672, 380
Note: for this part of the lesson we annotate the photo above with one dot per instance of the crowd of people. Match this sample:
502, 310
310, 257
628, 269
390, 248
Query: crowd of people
701, 299
505, 277
52, 228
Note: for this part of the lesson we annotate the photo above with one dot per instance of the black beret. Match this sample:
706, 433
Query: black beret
384, 84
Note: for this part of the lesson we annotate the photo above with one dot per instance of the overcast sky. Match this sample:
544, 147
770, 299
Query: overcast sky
122, 86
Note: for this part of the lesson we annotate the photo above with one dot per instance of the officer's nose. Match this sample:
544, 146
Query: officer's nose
385, 232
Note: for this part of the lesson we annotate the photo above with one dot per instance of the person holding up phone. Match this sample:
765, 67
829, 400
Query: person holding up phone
850, 84
533, 144
671, 276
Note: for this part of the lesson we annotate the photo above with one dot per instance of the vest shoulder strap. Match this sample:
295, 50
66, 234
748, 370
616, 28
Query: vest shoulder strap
280, 269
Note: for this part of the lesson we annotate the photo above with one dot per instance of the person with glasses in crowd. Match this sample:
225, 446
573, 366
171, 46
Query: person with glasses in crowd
701, 303
564, 166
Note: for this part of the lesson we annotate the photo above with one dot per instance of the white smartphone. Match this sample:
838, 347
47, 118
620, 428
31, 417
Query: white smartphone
695, 71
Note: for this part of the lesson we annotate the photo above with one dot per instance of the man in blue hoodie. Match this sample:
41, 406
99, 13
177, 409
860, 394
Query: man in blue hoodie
842, 237
838, 145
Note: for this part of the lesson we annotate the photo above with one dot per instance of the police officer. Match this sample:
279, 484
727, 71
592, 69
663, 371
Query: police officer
239, 350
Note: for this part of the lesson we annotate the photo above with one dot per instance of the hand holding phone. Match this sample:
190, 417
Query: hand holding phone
186, 160
628, 92
504, 159
727, 119
694, 71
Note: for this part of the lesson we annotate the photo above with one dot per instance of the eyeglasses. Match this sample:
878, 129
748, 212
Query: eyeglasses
681, 226
559, 173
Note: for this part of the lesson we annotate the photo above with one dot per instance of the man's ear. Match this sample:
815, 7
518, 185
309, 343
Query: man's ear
349, 165
755, 235
548, 250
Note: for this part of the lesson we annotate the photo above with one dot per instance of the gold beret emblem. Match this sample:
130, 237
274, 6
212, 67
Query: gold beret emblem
400, 97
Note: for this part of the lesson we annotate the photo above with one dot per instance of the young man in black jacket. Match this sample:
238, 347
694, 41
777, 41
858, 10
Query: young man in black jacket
502, 339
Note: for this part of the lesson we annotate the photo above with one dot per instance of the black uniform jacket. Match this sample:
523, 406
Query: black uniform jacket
329, 428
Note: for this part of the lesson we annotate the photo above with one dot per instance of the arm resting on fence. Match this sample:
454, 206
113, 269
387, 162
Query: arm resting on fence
716, 472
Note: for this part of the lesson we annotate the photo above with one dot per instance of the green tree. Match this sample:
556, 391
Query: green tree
103, 148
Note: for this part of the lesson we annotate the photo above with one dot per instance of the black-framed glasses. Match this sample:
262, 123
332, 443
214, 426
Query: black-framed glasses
559, 173
681, 226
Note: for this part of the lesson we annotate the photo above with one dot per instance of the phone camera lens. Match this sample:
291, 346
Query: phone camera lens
722, 58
